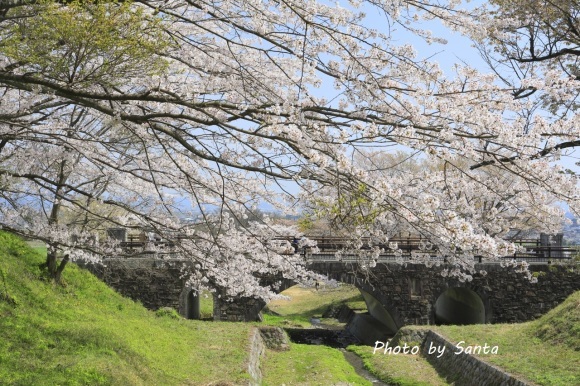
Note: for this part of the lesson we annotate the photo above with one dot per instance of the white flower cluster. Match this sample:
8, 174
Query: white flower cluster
268, 103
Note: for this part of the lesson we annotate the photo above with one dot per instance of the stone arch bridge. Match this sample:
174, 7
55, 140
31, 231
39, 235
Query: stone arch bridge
396, 295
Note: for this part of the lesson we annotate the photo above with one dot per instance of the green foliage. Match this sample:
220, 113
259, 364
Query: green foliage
167, 312
85, 42
306, 223
576, 256
351, 208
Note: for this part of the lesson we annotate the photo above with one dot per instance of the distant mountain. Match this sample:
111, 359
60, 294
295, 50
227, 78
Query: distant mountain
571, 231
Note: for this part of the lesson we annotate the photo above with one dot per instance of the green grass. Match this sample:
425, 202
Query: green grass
560, 326
286, 321
306, 303
309, 365
400, 370
206, 305
84, 333
545, 351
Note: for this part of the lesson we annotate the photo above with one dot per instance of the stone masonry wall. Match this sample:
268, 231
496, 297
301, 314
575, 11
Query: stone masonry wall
245, 309
464, 369
257, 350
408, 293
237, 310
275, 338
155, 283
160, 283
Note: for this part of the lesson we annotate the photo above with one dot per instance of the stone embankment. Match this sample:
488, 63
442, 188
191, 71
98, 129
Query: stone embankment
273, 338
459, 369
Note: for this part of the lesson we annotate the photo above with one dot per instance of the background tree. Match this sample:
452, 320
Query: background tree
534, 47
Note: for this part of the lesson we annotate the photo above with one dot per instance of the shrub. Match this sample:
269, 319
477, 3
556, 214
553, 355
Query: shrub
167, 312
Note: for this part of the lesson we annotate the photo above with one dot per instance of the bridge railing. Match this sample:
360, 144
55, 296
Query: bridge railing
531, 257
534, 251
546, 253
328, 246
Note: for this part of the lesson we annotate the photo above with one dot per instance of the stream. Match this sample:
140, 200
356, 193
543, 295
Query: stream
338, 339
358, 365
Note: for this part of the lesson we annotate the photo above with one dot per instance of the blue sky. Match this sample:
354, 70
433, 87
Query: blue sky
458, 49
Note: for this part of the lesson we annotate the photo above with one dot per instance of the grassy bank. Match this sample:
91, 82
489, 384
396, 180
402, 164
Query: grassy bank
84, 333
545, 351
401, 370
306, 303
309, 365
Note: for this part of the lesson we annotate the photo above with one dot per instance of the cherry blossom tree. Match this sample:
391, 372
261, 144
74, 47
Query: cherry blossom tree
207, 110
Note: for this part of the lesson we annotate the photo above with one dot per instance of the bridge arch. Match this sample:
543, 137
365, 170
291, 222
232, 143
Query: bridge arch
278, 286
246, 309
189, 303
461, 305
409, 293
380, 310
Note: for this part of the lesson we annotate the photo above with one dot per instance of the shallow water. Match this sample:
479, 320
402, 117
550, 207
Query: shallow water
336, 338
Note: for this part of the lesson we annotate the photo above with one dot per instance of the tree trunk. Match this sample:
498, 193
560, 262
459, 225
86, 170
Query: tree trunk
58, 272
51, 261
55, 270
